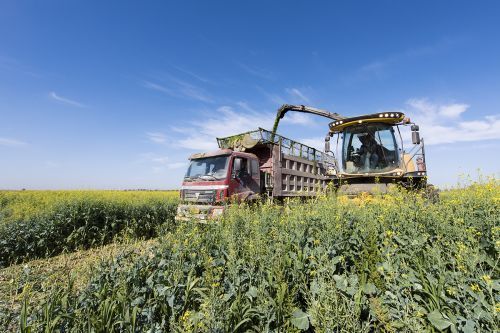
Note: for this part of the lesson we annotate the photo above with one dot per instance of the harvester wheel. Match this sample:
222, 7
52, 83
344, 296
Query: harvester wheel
431, 193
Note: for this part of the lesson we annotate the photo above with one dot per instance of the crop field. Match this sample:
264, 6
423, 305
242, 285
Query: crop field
106, 261
38, 224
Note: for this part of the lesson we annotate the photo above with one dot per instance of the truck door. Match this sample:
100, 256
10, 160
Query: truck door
245, 178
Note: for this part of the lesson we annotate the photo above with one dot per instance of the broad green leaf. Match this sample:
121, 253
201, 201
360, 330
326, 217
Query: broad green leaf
300, 319
437, 320
470, 326
369, 289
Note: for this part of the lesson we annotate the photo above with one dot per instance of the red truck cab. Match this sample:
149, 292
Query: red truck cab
215, 178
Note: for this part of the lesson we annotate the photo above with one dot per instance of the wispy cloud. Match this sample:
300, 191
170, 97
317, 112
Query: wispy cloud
298, 119
315, 142
11, 142
52, 164
289, 96
298, 95
161, 163
157, 137
274, 98
379, 68
193, 75
257, 71
443, 123
14, 65
157, 87
245, 106
225, 121
176, 165
179, 89
65, 100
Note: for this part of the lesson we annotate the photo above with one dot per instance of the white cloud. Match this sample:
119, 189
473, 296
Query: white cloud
192, 74
443, 123
273, 98
433, 110
157, 87
177, 165
200, 142
298, 118
160, 163
179, 89
316, 142
160, 159
258, 72
245, 106
65, 100
439, 124
157, 137
225, 121
382, 68
52, 164
298, 95
11, 142
453, 110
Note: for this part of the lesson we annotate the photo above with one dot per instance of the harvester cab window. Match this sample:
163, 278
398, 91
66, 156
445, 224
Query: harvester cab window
369, 149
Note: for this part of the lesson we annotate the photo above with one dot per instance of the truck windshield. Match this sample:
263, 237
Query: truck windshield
208, 168
369, 149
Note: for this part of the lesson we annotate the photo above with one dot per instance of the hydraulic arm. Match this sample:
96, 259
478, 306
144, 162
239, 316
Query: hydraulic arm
302, 108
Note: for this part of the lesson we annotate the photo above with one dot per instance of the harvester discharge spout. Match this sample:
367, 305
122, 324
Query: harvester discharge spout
301, 108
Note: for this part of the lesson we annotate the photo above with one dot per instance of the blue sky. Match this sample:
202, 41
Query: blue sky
118, 94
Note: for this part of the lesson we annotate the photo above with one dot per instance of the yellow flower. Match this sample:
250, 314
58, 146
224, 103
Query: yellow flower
475, 287
487, 279
185, 316
316, 242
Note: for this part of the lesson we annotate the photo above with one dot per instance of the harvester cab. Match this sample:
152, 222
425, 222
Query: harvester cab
371, 149
370, 152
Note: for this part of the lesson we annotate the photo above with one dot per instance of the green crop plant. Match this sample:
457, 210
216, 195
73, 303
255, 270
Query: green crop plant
397, 263
39, 224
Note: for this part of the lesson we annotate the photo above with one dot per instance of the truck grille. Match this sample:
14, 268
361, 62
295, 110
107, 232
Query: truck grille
199, 195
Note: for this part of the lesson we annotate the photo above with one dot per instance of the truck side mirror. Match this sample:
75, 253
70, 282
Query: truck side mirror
327, 144
415, 137
236, 166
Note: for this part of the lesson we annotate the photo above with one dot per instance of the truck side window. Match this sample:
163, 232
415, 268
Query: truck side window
243, 164
255, 168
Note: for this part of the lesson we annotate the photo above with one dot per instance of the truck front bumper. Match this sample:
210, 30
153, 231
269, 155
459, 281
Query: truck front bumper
200, 213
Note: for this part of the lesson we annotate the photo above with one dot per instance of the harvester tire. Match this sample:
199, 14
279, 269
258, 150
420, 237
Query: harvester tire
431, 193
